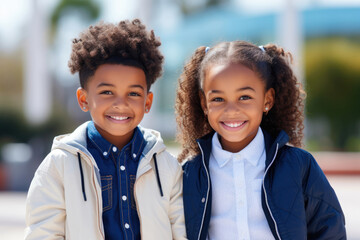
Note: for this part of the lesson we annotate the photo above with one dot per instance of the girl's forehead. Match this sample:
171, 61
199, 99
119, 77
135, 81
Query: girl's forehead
232, 74
228, 69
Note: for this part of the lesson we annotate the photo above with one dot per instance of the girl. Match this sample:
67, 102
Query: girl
241, 179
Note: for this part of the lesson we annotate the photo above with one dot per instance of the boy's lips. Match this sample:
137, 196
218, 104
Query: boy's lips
118, 118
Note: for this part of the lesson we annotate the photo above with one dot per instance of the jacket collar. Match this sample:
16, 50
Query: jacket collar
272, 143
206, 144
76, 141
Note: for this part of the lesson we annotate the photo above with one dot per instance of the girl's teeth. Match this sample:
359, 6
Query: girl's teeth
119, 118
233, 125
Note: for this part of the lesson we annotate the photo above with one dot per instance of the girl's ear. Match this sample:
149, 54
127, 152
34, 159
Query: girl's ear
203, 102
81, 95
149, 100
269, 100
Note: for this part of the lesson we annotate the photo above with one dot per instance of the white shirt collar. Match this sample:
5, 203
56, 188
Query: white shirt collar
251, 153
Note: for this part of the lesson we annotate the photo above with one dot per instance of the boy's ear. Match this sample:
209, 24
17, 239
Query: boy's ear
203, 102
149, 100
81, 95
269, 100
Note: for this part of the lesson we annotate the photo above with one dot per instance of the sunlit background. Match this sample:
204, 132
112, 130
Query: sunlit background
37, 91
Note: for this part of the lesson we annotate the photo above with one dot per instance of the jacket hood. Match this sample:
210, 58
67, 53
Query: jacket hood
76, 141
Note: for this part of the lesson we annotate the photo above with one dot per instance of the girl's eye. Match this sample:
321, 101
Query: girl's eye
106, 92
134, 94
245, 97
218, 99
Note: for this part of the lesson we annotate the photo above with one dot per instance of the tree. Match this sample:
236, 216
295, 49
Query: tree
333, 86
188, 6
89, 7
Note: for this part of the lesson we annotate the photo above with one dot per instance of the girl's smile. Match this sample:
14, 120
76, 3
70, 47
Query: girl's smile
234, 100
233, 126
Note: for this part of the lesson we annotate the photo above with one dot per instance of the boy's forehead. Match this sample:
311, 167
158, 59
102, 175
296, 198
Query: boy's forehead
114, 74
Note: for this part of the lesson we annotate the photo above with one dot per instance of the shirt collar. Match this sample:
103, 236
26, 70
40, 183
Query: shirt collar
136, 144
251, 153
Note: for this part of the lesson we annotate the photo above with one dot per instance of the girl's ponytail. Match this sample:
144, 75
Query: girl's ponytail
191, 120
287, 112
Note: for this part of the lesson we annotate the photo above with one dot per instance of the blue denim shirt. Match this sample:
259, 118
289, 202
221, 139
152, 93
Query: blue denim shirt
118, 173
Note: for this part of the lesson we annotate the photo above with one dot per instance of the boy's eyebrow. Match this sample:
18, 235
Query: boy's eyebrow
111, 85
137, 86
104, 85
238, 90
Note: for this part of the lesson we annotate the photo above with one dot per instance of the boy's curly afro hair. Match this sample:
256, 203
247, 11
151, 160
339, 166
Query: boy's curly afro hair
125, 40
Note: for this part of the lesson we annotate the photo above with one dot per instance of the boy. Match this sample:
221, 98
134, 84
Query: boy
110, 178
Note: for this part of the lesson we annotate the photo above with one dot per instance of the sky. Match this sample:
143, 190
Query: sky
15, 13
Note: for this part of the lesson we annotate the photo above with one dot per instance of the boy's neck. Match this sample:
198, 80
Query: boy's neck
119, 141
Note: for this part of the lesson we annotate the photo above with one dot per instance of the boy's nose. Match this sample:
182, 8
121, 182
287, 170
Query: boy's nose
120, 102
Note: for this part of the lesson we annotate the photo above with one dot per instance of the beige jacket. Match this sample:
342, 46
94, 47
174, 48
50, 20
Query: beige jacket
56, 206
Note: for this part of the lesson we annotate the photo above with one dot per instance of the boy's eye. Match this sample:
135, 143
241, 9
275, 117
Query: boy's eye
106, 92
134, 94
245, 97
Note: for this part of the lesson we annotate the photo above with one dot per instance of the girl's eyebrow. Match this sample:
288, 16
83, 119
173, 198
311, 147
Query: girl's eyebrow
246, 88
238, 90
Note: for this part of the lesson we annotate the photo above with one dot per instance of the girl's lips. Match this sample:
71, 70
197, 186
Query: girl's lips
233, 126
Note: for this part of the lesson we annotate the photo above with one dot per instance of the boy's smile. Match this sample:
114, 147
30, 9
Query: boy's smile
117, 98
234, 100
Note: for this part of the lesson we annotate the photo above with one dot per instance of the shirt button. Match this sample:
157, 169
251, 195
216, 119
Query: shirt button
124, 198
203, 200
114, 149
134, 155
105, 153
127, 226
122, 168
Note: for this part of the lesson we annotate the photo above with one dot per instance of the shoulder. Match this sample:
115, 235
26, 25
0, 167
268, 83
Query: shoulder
168, 162
54, 163
296, 156
192, 166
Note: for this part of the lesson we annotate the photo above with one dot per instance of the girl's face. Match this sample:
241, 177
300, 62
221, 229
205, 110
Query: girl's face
234, 101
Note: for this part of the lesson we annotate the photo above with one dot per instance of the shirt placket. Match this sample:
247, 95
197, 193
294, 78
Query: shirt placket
123, 194
241, 202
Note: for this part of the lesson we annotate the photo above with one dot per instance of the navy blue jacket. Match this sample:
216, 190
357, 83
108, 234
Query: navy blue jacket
297, 199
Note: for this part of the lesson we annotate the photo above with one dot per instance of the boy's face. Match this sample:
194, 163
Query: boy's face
117, 98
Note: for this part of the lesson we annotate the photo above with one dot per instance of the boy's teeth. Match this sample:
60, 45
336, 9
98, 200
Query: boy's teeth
119, 118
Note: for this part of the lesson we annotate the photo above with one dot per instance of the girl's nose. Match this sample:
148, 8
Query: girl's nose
232, 108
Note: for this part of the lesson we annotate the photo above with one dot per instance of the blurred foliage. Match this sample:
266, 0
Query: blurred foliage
15, 129
11, 85
333, 86
90, 8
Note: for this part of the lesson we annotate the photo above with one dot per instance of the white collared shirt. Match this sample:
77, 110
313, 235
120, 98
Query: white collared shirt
236, 179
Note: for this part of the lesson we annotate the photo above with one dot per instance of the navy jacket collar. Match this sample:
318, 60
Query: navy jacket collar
206, 144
